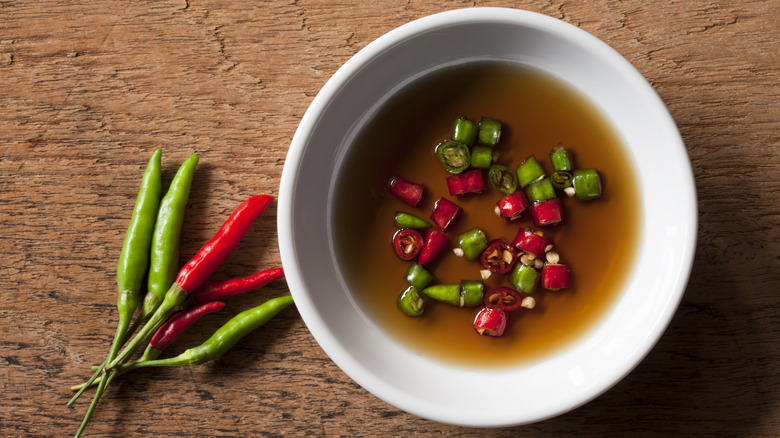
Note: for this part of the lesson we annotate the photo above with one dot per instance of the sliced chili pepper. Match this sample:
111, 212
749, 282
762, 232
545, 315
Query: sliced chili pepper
502, 178
435, 244
530, 242
179, 322
454, 156
503, 298
547, 212
223, 290
489, 131
468, 182
561, 159
561, 179
408, 220
411, 302
529, 171
472, 242
464, 131
499, 257
524, 278
481, 157
407, 191
445, 293
555, 276
418, 276
445, 213
587, 184
512, 205
491, 322
466, 294
407, 243
471, 293
539, 191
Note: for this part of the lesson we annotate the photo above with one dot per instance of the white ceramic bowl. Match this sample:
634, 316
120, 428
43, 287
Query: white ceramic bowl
525, 393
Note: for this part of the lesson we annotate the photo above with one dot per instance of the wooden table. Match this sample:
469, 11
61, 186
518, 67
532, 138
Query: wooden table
88, 89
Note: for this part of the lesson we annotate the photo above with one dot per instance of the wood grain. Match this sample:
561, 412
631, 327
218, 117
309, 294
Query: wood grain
88, 89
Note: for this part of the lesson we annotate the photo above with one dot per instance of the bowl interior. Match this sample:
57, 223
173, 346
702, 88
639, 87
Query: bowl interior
505, 396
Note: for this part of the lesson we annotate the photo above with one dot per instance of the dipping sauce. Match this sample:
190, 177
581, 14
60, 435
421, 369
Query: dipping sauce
597, 239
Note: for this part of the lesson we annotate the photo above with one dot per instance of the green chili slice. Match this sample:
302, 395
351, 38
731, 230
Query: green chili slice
489, 131
561, 179
408, 220
561, 159
541, 190
587, 184
524, 278
454, 156
471, 293
472, 242
529, 171
502, 179
411, 302
464, 131
481, 157
446, 293
418, 276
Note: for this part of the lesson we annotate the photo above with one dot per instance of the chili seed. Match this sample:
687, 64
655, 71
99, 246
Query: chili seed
538, 263
485, 274
507, 257
458, 252
553, 257
528, 303
548, 248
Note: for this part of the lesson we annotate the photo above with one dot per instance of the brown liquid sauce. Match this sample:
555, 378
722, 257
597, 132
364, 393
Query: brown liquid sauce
597, 240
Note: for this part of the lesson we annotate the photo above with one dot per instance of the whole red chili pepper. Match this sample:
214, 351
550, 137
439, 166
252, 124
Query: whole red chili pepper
222, 290
177, 324
195, 272
216, 250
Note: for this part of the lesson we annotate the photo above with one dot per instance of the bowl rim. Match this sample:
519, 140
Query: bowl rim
311, 316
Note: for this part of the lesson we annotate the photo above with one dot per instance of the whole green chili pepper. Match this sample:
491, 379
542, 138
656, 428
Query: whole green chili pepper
131, 268
219, 343
165, 240
223, 339
134, 257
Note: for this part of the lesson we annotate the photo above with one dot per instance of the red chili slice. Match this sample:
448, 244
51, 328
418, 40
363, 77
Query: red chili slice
445, 212
407, 191
503, 298
468, 182
490, 322
547, 212
512, 205
555, 276
498, 257
530, 242
435, 243
407, 243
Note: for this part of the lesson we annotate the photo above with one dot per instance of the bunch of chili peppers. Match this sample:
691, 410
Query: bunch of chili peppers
176, 298
528, 260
